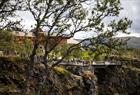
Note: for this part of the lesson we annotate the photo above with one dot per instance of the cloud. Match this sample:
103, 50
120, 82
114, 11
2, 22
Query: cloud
128, 35
28, 19
132, 11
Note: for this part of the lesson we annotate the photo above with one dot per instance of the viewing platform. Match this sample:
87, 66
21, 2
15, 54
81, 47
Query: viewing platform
96, 64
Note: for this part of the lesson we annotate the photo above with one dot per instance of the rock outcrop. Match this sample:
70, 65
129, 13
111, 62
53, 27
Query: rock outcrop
61, 80
58, 81
124, 80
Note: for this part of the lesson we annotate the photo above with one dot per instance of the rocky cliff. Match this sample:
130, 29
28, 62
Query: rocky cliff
124, 80
59, 81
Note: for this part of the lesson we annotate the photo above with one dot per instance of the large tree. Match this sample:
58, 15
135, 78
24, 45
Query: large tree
68, 17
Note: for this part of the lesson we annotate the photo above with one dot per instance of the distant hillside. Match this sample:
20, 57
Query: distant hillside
133, 42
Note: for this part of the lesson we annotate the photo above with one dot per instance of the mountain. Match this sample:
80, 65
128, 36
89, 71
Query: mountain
133, 42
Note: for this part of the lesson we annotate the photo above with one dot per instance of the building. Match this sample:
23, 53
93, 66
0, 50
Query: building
72, 41
24, 37
42, 35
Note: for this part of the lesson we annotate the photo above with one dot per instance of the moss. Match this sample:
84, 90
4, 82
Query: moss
40, 66
132, 68
14, 59
8, 88
12, 75
89, 74
61, 70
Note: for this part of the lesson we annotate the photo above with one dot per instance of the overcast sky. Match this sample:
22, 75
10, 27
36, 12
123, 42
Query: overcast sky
131, 10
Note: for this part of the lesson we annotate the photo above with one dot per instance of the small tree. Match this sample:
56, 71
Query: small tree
25, 48
7, 11
9, 43
6, 41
